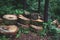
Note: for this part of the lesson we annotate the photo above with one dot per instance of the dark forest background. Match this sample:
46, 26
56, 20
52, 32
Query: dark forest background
16, 6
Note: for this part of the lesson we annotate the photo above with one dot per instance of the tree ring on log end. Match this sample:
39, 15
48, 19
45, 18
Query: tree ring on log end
10, 17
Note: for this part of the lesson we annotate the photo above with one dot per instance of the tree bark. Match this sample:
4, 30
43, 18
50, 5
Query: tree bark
39, 6
24, 4
46, 10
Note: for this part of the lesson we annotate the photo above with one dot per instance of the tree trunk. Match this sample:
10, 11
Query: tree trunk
24, 4
39, 6
46, 10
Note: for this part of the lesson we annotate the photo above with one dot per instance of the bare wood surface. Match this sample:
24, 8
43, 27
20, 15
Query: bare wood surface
22, 17
38, 20
37, 27
10, 17
11, 29
23, 20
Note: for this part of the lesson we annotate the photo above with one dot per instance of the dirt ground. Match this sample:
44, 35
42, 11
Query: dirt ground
30, 36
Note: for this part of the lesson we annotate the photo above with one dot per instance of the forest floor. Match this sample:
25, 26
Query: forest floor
30, 36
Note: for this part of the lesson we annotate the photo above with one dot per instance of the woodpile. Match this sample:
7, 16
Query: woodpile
11, 20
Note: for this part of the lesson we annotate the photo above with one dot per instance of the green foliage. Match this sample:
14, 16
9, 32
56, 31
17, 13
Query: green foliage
54, 7
3, 37
33, 4
7, 7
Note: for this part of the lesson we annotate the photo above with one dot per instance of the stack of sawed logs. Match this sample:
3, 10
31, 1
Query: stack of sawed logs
9, 22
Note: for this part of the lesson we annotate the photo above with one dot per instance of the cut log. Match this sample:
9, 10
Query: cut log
10, 19
23, 26
58, 26
1, 20
37, 27
35, 16
37, 22
23, 20
11, 29
55, 22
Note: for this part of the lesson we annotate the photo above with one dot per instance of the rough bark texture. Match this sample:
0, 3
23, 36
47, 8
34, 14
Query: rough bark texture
39, 6
10, 22
46, 10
